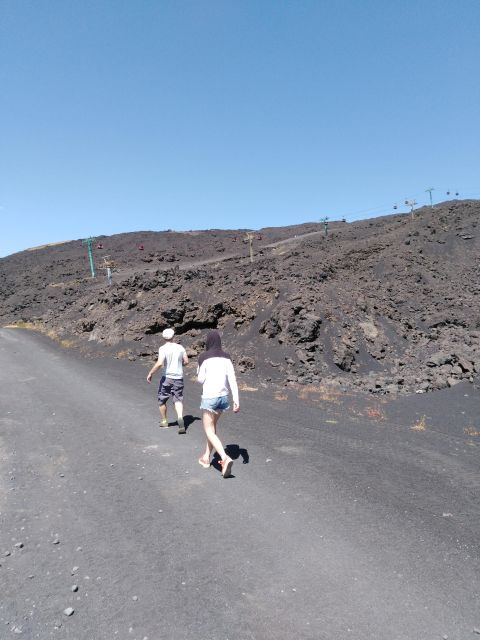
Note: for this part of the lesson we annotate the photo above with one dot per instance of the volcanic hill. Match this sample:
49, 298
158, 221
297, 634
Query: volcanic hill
388, 304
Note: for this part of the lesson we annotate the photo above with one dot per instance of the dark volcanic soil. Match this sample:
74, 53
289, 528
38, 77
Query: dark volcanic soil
389, 305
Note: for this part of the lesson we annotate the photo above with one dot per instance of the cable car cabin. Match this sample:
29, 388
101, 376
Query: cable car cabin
99, 245
395, 206
141, 247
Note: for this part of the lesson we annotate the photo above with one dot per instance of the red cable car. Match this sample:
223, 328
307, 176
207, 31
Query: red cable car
99, 245
141, 247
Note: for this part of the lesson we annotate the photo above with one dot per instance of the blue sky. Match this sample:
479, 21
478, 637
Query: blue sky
132, 115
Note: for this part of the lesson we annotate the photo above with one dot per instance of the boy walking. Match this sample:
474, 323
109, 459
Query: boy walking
172, 356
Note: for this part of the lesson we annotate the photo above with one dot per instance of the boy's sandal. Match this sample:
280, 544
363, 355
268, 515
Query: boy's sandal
181, 425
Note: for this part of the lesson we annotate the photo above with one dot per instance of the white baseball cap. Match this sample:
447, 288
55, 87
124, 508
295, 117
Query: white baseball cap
168, 334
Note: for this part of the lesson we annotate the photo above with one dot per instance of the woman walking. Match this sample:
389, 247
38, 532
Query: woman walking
215, 372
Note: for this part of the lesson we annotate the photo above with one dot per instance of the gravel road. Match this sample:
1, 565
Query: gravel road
347, 516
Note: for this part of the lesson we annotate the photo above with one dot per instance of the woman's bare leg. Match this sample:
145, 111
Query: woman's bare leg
208, 452
210, 420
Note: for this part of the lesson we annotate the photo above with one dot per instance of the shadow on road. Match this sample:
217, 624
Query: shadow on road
189, 419
235, 452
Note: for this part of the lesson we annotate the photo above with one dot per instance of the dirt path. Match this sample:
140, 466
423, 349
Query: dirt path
341, 522
221, 258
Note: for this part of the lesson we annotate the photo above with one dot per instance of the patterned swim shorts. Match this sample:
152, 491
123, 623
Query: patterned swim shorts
170, 388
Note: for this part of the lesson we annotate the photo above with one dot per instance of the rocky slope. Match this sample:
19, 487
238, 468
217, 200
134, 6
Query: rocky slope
389, 305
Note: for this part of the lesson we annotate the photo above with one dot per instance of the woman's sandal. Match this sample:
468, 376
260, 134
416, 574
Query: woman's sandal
203, 464
226, 466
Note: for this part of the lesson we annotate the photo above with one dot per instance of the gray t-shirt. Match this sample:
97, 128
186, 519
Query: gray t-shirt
172, 355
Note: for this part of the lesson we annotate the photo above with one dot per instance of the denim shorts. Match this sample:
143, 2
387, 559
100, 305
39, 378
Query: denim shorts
216, 405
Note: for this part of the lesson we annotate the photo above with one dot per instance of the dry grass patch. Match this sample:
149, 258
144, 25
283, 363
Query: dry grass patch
244, 387
471, 431
68, 344
44, 330
320, 394
420, 425
375, 413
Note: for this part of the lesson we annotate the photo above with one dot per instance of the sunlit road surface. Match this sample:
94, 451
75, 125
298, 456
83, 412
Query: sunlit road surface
347, 516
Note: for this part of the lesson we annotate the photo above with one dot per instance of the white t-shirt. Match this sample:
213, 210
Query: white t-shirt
172, 355
217, 376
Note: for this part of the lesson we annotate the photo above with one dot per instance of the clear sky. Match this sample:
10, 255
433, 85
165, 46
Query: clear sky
121, 115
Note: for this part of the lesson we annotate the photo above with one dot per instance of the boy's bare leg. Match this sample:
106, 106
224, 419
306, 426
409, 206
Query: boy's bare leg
163, 415
179, 409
